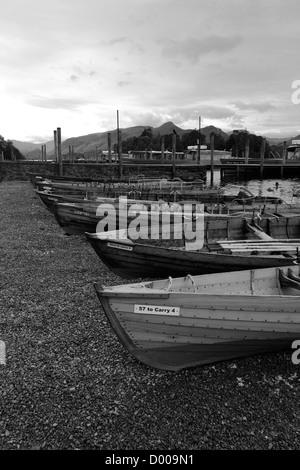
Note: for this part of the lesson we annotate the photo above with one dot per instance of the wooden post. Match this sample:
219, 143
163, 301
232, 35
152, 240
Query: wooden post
72, 153
109, 147
162, 149
284, 153
42, 149
59, 156
212, 149
173, 155
283, 158
199, 141
96, 154
1, 156
247, 145
236, 153
45, 153
12, 153
120, 154
119, 140
262, 156
55, 146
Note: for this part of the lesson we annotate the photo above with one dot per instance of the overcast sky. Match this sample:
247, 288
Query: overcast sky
74, 63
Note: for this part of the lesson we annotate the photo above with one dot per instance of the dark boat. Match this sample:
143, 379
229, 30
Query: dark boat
168, 190
228, 244
78, 218
82, 216
50, 200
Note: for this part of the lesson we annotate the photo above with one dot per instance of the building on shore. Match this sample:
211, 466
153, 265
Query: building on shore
293, 150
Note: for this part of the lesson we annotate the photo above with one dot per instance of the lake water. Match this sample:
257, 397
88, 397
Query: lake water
265, 187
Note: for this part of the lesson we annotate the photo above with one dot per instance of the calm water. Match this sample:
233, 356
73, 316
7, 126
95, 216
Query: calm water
265, 187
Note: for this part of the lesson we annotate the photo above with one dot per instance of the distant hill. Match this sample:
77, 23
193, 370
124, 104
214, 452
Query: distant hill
168, 128
32, 151
209, 129
24, 147
280, 140
294, 138
87, 143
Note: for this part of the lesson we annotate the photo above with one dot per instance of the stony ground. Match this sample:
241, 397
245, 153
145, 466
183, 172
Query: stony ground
69, 384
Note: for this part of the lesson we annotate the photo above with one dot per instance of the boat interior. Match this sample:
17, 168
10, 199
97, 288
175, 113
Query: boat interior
269, 281
276, 236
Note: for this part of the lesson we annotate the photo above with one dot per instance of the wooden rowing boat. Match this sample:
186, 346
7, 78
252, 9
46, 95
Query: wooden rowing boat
49, 200
276, 208
173, 324
228, 244
83, 216
172, 190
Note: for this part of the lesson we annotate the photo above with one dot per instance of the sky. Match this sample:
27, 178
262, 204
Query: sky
77, 64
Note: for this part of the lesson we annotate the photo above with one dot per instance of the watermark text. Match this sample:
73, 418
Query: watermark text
152, 221
296, 93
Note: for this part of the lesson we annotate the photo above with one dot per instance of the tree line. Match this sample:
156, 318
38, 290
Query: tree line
148, 141
235, 143
9, 151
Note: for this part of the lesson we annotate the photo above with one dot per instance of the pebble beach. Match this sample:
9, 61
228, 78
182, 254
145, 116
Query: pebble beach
67, 383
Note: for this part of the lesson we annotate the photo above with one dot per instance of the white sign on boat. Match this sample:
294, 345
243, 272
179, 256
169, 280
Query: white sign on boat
157, 309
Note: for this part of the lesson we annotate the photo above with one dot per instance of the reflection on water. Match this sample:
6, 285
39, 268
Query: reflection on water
283, 188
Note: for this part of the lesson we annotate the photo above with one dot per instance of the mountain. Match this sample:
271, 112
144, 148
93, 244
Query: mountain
168, 128
33, 151
280, 140
86, 144
24, 147
294, 138
209, 129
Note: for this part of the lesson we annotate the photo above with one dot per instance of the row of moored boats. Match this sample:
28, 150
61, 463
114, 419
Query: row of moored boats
217, 274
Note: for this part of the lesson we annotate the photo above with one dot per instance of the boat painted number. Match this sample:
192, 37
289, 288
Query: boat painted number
157, 309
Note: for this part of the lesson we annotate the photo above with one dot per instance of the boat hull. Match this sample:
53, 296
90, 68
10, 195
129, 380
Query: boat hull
147, 261
76, 219
202, 329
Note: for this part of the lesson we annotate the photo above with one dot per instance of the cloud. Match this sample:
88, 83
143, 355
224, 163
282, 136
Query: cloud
145, 118
122, 83
57, 103
190, 115
193, 48
160, 60
40, 139
187, 118
254, 106
114, 41
211, 111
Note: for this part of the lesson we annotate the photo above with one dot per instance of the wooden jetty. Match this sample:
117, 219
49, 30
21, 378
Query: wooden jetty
287, 165
270, 168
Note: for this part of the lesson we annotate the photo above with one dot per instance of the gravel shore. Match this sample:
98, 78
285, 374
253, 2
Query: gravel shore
69, 384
